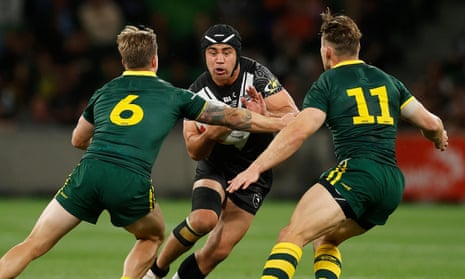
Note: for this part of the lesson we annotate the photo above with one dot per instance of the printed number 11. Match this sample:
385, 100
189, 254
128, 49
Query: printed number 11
364, 116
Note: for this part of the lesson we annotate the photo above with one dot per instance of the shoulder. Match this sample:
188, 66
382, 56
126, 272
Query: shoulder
253, 66
202, 81
247, 62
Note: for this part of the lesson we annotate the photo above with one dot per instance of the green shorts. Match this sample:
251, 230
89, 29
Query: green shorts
96, 185
372, 190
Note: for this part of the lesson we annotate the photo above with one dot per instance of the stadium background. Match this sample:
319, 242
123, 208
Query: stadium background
55, 53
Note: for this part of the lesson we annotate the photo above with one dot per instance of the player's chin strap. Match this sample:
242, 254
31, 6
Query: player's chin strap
236, 67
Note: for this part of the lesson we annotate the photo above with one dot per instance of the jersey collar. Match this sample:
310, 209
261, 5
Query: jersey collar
349, 62
139, 73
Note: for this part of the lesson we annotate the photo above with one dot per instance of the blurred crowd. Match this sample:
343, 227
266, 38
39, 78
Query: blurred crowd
55, 53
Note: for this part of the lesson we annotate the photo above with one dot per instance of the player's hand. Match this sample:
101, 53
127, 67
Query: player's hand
243, 179
215, 132
443, 142
255, 101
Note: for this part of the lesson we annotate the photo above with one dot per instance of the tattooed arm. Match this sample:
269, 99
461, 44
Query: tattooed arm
241, 119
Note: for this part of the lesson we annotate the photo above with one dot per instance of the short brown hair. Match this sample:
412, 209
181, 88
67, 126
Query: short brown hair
137, 45
341, 31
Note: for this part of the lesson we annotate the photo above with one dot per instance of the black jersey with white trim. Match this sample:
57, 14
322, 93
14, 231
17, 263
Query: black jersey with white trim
251, 73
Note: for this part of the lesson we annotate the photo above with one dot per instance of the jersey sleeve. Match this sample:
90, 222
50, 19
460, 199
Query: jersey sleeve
192, 104
317, 96
88, 112
405, 95
265, 81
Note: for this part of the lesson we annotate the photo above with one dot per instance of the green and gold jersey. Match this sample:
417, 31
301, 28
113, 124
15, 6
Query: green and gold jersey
133, 114
362, 105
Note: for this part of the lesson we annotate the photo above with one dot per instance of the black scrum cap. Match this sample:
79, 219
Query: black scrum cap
222, 34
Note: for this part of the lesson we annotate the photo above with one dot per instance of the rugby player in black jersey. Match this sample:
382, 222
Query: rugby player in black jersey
221, 154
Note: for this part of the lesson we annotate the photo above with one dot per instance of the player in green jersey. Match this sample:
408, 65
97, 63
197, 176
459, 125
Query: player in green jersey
122, 129
361, 105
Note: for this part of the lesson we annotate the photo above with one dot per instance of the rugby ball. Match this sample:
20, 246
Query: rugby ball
236, 138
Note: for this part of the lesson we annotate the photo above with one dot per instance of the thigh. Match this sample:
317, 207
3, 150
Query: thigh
249, 199
316, 213
151, 226
213, 183
53, 224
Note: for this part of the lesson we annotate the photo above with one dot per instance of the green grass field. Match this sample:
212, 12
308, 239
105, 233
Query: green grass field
419, 242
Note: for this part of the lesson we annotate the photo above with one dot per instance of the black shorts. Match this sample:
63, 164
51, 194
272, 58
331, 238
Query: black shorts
249, 199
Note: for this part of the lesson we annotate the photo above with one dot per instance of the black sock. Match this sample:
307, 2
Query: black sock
189, 269
158, 271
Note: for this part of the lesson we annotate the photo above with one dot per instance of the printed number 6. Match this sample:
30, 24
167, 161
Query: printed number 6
137, 113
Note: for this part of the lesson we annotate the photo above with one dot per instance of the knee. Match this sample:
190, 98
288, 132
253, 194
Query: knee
158, 239
203, 220
36, 248
206, 209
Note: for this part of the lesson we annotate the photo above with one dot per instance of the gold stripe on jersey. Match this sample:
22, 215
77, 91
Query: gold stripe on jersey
139, 73
407, 102
349, 62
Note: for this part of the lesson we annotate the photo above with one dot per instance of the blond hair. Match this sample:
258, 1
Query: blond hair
137, 45
342, 32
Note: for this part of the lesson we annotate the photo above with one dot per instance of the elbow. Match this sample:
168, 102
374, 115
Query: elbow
79, 143
193, 155
196, 156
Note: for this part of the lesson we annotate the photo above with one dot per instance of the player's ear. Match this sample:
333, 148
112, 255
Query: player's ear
328, 52
155, 62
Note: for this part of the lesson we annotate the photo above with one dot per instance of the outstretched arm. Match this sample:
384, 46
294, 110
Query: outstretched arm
286, 143
241, 119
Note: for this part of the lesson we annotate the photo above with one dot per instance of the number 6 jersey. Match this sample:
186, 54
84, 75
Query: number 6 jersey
133, 114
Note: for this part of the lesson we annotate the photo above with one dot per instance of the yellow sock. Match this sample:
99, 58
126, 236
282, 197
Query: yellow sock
125, 277
327, 262
282, 261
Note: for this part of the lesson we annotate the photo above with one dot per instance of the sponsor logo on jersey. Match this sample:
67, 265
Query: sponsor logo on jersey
272, 86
